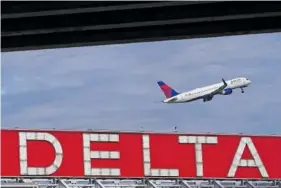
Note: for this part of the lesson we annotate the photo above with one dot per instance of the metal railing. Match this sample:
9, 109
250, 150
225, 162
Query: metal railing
135, 183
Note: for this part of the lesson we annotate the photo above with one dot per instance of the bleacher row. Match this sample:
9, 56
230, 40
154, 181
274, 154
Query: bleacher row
135, 183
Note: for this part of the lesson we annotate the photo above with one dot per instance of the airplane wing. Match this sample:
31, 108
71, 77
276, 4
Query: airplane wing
210, 96
220, 89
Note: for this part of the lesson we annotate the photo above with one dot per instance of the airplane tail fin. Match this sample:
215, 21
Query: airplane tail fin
167, 90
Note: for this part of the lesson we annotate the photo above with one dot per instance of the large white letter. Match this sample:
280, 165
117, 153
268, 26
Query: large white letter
88, 154
146, 157
24, 169
237, 161
198, 141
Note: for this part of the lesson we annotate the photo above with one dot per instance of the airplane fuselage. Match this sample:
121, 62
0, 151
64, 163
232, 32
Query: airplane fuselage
198, 93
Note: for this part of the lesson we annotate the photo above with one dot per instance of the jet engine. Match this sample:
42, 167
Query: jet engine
226, 91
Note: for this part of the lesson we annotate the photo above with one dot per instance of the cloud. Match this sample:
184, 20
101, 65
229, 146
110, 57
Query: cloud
114, 87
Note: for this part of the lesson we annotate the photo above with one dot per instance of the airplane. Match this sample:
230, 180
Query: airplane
206, 93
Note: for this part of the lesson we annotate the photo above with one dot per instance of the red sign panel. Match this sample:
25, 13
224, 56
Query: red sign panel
114, 154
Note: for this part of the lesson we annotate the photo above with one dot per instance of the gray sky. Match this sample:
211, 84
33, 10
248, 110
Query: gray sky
114, 87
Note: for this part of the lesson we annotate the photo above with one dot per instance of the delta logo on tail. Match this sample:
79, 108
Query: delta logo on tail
205, 93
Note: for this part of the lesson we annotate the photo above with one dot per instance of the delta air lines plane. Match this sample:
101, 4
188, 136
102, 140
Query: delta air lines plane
205, 93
